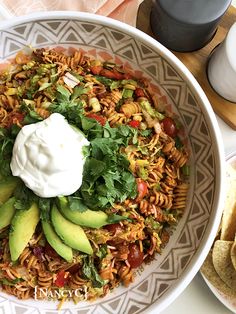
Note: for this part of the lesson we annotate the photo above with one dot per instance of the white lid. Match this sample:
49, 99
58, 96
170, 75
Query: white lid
231, 46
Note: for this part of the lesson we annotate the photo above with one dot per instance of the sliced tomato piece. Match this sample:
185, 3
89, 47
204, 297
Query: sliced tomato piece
100, 119
139, 92
142, 189
134, 124
15, 117
114, 228
96, 69
112, 74
62, 279
127, 76
135, 256
169, 126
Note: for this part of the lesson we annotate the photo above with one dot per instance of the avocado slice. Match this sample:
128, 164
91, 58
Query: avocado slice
87, 218
71, 234
7, 187
7, 211
23, 226
62, 249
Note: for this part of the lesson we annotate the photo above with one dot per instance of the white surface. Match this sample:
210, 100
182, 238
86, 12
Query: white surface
197, 297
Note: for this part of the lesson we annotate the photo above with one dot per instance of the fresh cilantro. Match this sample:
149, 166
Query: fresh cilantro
44, 206
90, 272
6, 147
24, 197
75, 203
79, 90
14, 130
104, 80
106, 177
114, 218
32, 117
69, 107
146, 132
13, 282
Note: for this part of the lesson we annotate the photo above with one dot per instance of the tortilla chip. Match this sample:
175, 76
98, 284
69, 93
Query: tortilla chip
211, 275
233, 254
222, 262
228, 220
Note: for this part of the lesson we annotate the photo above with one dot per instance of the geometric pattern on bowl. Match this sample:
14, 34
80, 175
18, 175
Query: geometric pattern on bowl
158, 279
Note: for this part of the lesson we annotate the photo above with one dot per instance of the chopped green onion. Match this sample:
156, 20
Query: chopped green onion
145, 104
127, 93
44, 86
130, 82
95, 104
185, 170
115, 85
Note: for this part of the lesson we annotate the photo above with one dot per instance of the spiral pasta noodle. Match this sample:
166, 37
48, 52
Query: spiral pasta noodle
157, 160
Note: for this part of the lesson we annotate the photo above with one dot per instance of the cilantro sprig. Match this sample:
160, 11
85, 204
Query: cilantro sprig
7, 138
106, 175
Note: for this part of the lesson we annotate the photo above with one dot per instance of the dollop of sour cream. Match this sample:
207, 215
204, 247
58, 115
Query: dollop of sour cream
48, 157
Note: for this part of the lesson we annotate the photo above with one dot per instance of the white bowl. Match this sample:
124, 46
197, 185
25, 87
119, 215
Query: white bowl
158, 284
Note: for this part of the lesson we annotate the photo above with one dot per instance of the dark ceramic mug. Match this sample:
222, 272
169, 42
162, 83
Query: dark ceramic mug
186, 25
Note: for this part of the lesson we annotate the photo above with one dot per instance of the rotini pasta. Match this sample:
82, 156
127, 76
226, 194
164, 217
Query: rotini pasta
156, 158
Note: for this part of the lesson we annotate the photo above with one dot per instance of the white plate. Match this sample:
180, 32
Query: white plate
229, 303
224, 299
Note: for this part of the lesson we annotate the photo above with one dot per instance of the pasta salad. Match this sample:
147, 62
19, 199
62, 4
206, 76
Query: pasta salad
134, 184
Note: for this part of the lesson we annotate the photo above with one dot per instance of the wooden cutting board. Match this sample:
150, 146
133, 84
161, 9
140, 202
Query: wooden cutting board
196, 61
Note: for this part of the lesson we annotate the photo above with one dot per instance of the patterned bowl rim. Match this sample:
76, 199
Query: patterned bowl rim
207, 110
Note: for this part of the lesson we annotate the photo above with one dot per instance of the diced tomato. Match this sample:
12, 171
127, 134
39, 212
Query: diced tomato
112, 74
127, 76
98, 118
113, 228
139, 92
62, 279
134, 124
142, 189
135, 256
96, 69
169, 127
15, 117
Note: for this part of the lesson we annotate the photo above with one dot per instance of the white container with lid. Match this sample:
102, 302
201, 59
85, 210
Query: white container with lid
221, 68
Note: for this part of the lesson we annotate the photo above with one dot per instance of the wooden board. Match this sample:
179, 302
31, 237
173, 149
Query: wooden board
196, 61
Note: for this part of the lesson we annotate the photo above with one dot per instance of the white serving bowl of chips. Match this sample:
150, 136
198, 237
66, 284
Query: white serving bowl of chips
158, 284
